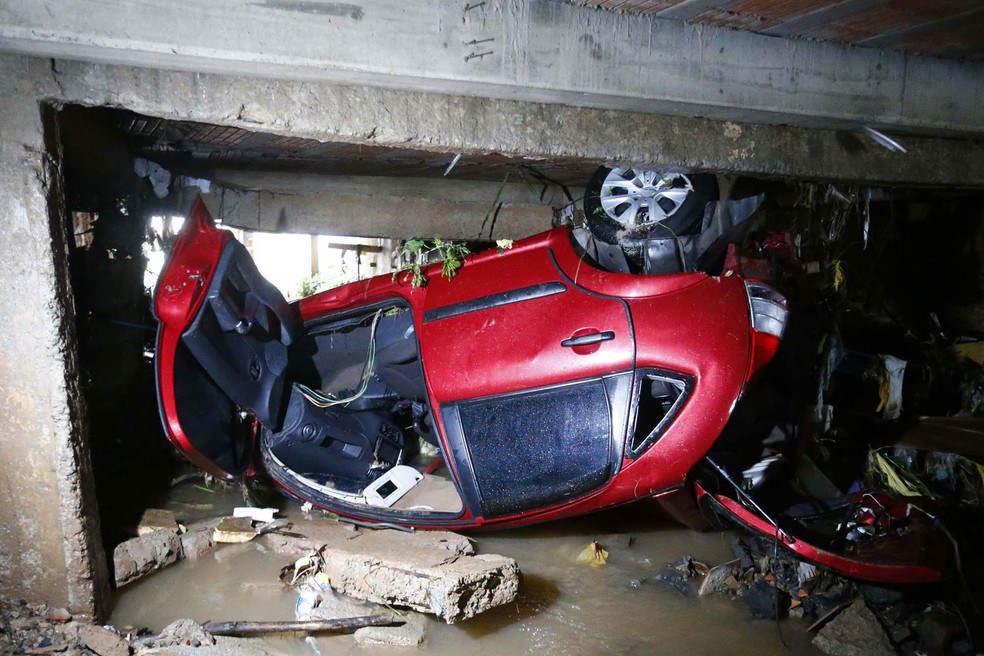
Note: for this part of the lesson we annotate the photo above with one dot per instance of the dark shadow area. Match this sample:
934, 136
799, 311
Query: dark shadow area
109, 207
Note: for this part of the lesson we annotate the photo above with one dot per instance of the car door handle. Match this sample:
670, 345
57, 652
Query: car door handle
593, 338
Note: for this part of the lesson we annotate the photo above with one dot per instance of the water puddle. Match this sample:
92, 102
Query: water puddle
565, 608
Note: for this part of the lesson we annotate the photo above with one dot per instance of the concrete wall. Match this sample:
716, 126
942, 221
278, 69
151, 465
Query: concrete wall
49, 527
548, 51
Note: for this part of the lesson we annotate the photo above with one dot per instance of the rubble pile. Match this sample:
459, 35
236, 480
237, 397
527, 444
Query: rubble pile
849, 617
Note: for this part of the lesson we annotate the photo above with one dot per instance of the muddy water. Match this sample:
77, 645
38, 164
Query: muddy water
565, 608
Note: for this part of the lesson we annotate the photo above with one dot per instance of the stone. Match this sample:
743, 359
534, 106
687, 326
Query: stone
939, 629
410, 634
337, 607
616, 540
196, 544
716, 579
234, 530
183, 632
675, 579
459, 588
854, 632
428, 571
57, 615
103, 641
142, 555
741, 552
765, 600
156, 519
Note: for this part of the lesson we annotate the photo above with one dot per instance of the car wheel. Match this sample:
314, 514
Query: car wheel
622, 205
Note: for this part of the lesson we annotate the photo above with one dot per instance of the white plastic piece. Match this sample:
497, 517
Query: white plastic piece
262, 515
392, 486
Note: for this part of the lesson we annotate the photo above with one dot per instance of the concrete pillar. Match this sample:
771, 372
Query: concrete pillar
50, 547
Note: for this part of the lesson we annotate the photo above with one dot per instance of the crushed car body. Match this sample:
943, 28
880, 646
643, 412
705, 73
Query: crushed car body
532, 386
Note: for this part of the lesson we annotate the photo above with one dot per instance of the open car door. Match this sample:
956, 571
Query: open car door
221, 347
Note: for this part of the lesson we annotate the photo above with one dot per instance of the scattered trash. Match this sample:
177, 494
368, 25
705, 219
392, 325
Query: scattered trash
262, 515
884, 140
454, 163
593, 555
890, 390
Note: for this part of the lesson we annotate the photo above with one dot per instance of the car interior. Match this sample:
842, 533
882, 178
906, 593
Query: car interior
341, 400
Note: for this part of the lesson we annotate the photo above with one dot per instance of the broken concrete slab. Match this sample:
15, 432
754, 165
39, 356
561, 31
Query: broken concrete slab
854, 632
234, 530
716, 579
432, 572
410, 634
156, 519
142, 555
103, 641
196, 544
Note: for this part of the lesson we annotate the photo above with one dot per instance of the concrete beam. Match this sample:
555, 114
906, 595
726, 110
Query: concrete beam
376, 215
460, 124
544, 52
50, 548
449, 189
376, 206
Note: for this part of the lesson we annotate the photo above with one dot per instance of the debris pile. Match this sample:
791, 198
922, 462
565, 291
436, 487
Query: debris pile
848, 617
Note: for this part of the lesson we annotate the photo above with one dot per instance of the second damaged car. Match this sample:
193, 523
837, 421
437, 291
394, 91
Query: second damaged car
532, 386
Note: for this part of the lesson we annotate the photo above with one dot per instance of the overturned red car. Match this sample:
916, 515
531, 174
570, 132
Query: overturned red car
532, 386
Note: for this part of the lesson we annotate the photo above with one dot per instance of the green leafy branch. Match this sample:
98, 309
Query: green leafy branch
452, 257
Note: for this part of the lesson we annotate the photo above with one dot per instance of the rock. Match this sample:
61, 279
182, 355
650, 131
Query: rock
103, 641
57, 615
854, 632
938, 630
195, 544
234, 530
762, 599
183, 632
140, 556
409, 634
616, 541
156, 519
675, 579
430, 571
797, 613
337, 607
716, 579
741, 552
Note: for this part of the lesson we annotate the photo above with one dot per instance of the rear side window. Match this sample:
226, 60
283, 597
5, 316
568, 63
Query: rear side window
538, 448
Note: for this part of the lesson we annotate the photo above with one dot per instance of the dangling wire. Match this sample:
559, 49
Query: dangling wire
324, 401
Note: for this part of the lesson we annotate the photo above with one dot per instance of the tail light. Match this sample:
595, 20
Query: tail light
768, 313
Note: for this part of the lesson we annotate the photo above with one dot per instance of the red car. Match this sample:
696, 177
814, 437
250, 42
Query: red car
531, 386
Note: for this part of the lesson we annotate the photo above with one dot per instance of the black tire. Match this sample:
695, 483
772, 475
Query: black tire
684, 220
